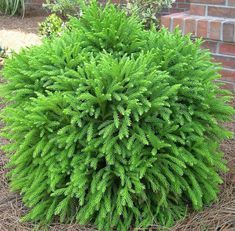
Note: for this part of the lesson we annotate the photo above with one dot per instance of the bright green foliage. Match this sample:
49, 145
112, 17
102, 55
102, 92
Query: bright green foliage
114, 125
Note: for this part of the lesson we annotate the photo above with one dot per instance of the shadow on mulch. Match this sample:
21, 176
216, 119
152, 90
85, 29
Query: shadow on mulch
220, 216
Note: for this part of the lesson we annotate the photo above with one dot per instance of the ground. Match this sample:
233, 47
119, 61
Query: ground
16, 33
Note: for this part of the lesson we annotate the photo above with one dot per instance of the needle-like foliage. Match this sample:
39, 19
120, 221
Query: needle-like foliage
114, 125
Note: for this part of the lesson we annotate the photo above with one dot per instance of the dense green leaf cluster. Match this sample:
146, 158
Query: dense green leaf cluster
114, 125
53, 26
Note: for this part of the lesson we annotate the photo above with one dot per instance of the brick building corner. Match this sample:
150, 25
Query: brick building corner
214, 21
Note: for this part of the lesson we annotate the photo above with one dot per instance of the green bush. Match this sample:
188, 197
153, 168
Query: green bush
52, 26
64, 7
113, 125
147, 10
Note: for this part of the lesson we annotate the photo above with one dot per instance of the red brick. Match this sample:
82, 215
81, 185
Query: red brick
197, 9
210, 45
228, 86
178, 21
175, 10
228, 75
228, 31
226, 61
164, 12
231, 2
179, 1
166, 21
226, 12
215, 30
202, 28
227, 48
212, 2
183, 5
190, 26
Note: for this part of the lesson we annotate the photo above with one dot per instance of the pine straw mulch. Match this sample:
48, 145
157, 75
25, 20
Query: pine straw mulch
218, 217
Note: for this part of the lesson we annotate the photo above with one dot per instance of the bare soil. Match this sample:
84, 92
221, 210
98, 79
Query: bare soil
16, 32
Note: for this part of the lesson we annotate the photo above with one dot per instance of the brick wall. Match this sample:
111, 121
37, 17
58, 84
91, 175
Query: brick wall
214, 8
178, 6
214, 21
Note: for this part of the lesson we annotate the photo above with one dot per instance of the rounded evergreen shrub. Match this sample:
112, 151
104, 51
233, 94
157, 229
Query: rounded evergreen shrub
114, 125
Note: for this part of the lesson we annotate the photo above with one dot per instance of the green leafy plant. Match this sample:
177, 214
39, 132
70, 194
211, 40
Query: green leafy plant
52, 26
114, 125
147, 10
12, 7
61, 10
64, 7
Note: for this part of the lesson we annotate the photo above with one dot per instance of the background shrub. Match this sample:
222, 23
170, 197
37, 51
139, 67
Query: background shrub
65, 7
147, 10
114, 125
52, 26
